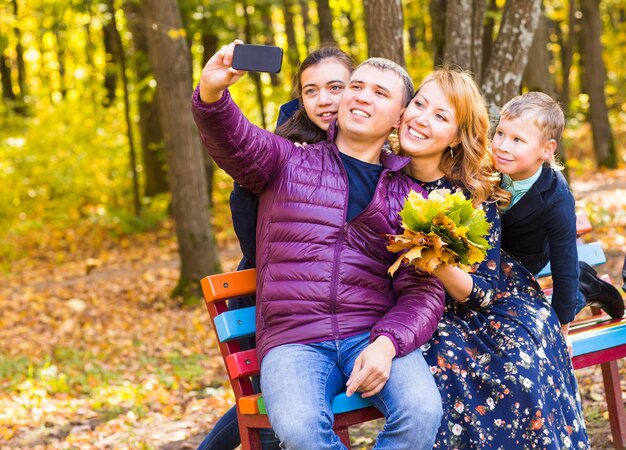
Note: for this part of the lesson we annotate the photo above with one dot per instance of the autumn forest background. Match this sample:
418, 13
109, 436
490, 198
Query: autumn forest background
110, 212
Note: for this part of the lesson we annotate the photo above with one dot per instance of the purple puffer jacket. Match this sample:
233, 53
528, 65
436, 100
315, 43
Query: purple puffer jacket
320, 277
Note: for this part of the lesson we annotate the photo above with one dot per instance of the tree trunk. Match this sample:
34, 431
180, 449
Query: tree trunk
413, 38
60, 46
349, 32
20, 105
89, 44
479, 12
503, 76
464, 18
437, 10
537, 77
384, 25
487, 44
304, 12
152, 151
256, 79
210, 43
567, 55
595, 78
325, 25
110, 69
292, 45
268, 32
5, 73
458, 48
47, 84
580, 35
171, 63
118, 49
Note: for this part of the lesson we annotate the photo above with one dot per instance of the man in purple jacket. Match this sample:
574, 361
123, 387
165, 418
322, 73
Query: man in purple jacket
328, 316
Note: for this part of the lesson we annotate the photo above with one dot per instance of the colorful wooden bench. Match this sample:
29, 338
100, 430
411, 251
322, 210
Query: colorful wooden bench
230, 326
599, 340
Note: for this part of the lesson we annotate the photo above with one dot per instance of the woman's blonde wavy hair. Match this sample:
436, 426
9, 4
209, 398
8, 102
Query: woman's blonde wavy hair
472, 167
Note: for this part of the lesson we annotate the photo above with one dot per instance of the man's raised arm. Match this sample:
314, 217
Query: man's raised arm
247, 153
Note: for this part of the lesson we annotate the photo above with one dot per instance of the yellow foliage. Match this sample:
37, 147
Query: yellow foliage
174, 33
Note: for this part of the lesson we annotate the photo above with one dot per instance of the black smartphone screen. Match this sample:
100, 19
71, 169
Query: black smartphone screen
257, 58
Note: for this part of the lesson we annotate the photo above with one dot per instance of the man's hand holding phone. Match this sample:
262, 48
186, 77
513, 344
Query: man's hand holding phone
217, 74
231, 63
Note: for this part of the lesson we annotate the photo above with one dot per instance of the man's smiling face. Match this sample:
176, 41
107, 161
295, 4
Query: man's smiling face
372, 103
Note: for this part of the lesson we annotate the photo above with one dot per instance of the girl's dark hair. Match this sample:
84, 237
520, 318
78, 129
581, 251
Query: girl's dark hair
299, 128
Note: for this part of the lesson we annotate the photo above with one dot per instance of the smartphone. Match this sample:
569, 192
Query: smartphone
257, 58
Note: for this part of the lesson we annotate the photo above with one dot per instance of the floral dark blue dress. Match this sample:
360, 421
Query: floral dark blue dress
501, 363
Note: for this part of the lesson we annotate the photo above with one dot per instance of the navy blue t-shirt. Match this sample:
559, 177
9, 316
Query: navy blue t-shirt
362, 180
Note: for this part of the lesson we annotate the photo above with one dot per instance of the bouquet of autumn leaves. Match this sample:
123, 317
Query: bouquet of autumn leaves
444, 228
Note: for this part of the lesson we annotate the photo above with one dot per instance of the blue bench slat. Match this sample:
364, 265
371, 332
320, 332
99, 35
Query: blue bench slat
592, 254
599, 339
341, 403
236, 324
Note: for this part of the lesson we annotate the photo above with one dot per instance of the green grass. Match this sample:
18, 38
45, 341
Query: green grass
80, 373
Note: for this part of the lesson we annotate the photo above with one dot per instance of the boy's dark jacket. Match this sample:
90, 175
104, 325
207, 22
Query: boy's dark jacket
541, 227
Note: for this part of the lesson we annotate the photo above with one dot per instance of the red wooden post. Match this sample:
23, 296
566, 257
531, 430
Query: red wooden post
250, 437
344, 435
615, 404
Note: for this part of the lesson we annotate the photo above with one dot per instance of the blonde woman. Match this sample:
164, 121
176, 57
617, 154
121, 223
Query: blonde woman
498, 356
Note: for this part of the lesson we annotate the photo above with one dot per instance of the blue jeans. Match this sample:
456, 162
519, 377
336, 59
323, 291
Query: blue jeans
225, 433
299, 382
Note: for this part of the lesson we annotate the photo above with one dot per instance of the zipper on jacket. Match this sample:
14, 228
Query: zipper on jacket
336, 256
335, 278
342, 237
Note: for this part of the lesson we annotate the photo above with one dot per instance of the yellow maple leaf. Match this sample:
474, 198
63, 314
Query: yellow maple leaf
475, 255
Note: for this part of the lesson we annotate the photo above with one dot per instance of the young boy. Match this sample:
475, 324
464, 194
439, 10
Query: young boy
540, 223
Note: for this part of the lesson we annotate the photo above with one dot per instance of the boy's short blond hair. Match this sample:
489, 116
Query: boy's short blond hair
542, 111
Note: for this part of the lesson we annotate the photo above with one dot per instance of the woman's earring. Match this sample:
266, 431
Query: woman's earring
451, 153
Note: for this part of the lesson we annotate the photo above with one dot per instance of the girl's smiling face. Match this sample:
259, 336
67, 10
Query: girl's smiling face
322, 87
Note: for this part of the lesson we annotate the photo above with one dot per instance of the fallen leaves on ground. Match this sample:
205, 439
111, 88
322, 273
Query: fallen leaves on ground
94, 352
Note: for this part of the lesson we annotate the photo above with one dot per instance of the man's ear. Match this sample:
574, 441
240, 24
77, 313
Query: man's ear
548, 149
398, 121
